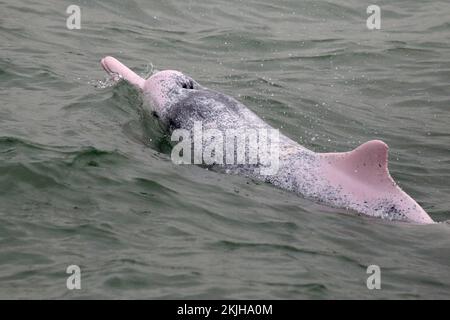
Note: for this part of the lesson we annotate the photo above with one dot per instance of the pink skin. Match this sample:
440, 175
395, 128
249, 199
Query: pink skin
361, 175
156, 88
116, 69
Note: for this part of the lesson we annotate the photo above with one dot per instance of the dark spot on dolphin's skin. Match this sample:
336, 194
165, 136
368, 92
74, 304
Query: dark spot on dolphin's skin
188, 85
388, 210
393, 209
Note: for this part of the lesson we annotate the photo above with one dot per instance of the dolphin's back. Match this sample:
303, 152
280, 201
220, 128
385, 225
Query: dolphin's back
214, 109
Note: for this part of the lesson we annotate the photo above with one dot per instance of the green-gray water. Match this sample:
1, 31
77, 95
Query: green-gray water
83, 180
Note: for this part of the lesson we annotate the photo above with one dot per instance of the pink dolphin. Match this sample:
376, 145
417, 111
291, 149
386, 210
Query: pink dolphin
357, 180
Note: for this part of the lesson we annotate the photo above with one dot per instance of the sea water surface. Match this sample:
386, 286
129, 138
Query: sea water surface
86, 177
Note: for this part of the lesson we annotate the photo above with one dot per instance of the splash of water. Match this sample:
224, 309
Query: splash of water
106, 82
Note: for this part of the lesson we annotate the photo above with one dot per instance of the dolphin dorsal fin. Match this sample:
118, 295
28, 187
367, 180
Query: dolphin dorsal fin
114, 67
360, 178
368, 162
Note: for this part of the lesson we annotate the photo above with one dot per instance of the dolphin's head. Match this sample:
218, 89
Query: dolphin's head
167, 87
162, 89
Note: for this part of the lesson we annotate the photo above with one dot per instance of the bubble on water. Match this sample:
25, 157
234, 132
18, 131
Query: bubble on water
149, 70
106, 83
